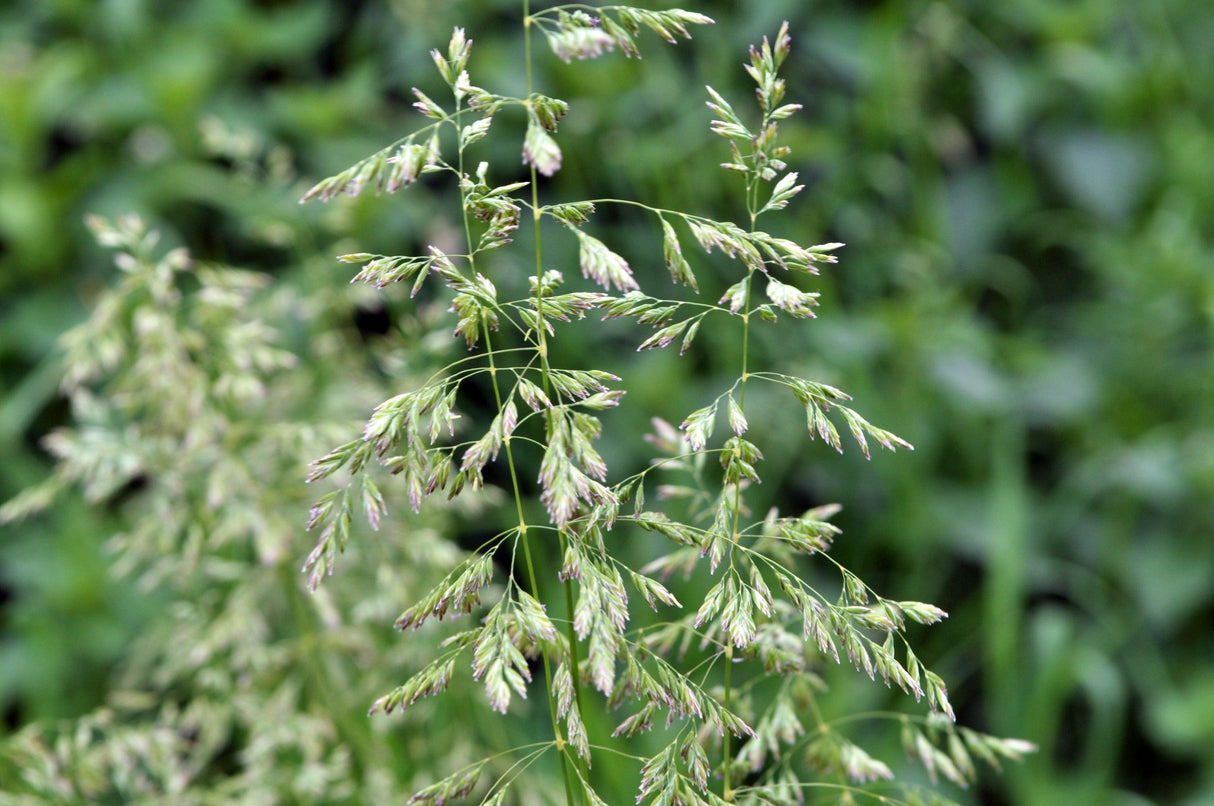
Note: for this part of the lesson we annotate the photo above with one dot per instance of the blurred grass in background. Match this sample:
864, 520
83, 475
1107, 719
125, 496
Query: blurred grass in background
1027, 295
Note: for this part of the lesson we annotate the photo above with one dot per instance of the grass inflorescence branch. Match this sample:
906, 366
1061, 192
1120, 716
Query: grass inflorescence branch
747, 613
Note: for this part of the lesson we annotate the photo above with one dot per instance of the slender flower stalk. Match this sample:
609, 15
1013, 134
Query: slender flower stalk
537, 217
757, 617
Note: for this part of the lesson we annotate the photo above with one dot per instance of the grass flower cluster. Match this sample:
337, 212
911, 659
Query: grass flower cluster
722, 686
192, 416
673, 638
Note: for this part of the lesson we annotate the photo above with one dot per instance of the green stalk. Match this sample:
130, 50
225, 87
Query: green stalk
726, 787
534, 580
727, 793
518, 498
536, 216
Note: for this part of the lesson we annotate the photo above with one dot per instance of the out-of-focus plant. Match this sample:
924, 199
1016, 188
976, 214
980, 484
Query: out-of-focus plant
733, 675
1025, 191
192, 421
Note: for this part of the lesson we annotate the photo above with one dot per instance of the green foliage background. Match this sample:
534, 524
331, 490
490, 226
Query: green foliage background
1027, 295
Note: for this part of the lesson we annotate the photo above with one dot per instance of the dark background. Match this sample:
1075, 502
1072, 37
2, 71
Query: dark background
1027, 295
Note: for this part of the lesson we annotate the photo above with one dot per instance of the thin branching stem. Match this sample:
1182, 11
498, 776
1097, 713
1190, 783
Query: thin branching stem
853, 791
740, 617
532, 577
537, 216
513, 468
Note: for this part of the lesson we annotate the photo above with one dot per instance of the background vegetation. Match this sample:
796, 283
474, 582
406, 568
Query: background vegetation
1027, 295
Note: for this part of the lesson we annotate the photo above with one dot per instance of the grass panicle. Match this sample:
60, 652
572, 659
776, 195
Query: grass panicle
757, 617
677, 636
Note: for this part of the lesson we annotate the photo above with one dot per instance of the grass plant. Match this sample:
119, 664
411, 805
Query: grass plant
726, 679
672, 634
